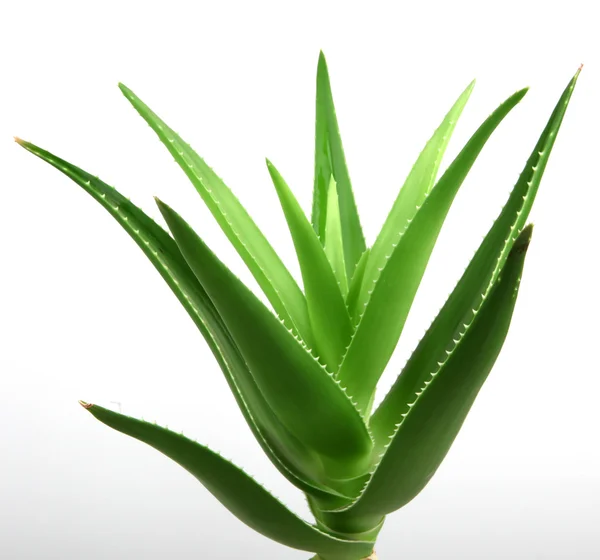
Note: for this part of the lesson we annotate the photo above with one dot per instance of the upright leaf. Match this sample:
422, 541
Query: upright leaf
356, 285
272, 276
293, 459
245, 498
437, 411
393, 291
330, 160
481, 273
303, 395
416, 187
334, 243
327, 311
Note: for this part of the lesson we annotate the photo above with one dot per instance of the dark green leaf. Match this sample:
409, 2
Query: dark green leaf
303, 395
250, 502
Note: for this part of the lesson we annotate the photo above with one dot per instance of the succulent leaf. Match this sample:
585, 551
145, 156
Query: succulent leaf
334, 243
301, 392
392, 292
438, 409
304, 376
330, 160
327, 311
414, 191
484, 268
267, 268
245, 498
356, 284
301, 467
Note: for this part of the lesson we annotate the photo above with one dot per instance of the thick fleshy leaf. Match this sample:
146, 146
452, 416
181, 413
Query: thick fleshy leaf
245, 498
479, 275
301, 392
327, 311
292, 458
416, 187
438, 409
356, 284
330, 160
393, 291
263, 262
334, 244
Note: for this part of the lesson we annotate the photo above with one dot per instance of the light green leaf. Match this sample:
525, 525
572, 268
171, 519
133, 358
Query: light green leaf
438, 409
272, 276
329, 317
330, 160
356, 284
481, 273
334, 244
292, 458
303, 395
412, 194
245, 498
393, 291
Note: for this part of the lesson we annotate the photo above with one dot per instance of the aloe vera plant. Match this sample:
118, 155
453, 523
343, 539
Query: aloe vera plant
304, 373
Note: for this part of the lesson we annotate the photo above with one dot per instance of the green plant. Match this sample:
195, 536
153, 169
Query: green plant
305, 376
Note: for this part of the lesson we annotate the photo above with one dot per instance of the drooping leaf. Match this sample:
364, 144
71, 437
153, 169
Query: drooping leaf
301, 392
292, 458
263, 262
392, 292
245, 498
334, 243
329, 319
412, 194
438, 409
481, 273
330, 160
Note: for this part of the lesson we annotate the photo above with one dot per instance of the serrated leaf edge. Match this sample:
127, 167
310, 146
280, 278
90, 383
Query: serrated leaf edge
88, 406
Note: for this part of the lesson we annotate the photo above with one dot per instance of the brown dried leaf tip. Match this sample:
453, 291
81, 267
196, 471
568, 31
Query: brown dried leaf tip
85, 404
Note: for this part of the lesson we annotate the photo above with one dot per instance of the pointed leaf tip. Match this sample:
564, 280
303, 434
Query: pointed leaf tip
522, 243
85, 405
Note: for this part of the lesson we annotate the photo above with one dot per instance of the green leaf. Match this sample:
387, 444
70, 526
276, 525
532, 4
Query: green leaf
303, 395
329, 317
272, 276
356, 284
438, 409
481, 273
334, 244
400, 272
292, 458
245, 498
330, 160
414, 191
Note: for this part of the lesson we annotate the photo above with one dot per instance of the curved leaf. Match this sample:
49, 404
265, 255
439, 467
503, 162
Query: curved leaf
481, 273
290, 457
303, 395
416, 187
327, 311
393, 291
426, 431
272, 276
330, 160
250, 502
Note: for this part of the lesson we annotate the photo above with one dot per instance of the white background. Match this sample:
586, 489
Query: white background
84, 315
